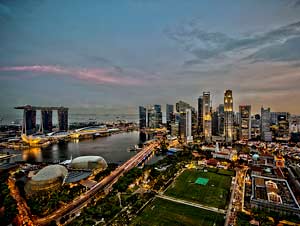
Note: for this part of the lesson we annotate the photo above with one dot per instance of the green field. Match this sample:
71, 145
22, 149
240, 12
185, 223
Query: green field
215, 193
162, 212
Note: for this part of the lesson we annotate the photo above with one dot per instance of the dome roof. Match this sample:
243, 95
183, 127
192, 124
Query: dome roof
88, 162
255, 156
50, 172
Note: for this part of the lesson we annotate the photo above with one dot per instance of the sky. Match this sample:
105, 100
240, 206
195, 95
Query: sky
112, 56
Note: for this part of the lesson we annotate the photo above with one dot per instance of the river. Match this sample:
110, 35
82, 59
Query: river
112, 148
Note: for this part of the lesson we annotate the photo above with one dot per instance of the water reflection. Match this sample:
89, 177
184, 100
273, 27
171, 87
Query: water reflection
32, 155
112, 149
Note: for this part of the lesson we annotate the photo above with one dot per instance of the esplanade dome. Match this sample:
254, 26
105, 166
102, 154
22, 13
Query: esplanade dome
89, 162
48, 178
51, 172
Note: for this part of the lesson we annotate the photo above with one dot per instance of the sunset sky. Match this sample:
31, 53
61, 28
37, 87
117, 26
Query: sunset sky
116, 55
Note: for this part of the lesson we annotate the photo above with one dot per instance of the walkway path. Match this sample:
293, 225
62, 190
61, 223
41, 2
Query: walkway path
214, 209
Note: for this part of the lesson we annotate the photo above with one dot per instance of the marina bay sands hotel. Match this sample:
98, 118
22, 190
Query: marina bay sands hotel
46, 126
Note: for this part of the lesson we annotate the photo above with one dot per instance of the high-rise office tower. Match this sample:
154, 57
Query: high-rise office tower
152, 117
188, 116
158, 115
228, 115
170, 117
143, 117
220, 111
200, 115
266, 134
215, 123
182, 125
181, 106
62, 119
207, 116
46, 121
169, 113
283, 122
245, 122
255, 126
29, 121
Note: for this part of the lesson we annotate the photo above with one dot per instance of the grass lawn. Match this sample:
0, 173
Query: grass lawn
162, 212
215, 193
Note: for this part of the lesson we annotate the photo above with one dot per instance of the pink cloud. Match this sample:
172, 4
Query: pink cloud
98, 75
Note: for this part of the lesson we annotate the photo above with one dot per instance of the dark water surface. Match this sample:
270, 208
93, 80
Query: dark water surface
112, 148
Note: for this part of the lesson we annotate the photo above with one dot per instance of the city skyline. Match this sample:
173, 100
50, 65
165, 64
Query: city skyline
89, 55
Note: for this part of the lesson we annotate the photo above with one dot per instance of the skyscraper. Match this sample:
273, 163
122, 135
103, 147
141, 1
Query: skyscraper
62, 119
266, 134
215, 124
283, 120
154, 116
181, 106
158, 113
29, 121
182, 125
188, 116
143, 117
46, 121
200, 115
245, 122
228, 115
207, 116
169, 113
255, 127
220, 111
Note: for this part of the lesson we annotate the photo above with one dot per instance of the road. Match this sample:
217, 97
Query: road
107, 182
237, 197
213, 209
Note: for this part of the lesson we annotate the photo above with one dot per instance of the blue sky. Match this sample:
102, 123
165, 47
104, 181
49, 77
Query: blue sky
115, 55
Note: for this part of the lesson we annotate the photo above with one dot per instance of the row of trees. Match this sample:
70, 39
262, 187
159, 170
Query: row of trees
46, 203
105, 209
109, 206
110, 167
8, 205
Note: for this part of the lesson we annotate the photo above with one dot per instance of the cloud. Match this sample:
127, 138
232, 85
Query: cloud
207, 46
95, 75
5, 12
287, 51
293, 3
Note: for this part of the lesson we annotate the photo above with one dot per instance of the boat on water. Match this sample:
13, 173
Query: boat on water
133, 148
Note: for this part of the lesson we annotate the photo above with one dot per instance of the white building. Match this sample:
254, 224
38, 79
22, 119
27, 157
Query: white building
189, 137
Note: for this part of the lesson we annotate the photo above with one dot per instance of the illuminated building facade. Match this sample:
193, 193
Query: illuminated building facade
188, 116
169, 113
200, 115
151, 117
266, 134
283, 123
215, 123
29, 118
181, 108
207, 116
62, 114
221, 119
154, 116
158, 115
46, 121
245, 122
142, 117
29, 121
228, 115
